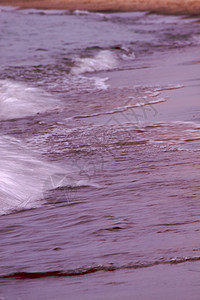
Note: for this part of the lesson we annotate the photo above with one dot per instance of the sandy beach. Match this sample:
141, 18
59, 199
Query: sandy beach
161, 6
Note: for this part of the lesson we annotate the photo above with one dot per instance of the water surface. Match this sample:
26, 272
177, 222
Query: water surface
99, 123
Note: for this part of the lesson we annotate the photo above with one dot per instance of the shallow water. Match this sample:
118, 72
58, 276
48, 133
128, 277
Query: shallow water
100, 139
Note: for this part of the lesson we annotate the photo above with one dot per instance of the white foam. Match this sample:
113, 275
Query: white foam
17, 100
26, 178
196, 39
101, 83
103, 61
128, 54
160, 100
78, 12
121, 109
81, 12
22, 176
82, 84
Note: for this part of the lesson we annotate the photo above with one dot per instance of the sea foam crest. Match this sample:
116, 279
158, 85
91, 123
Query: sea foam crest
22, 175
103, 61
26, 178
17, 100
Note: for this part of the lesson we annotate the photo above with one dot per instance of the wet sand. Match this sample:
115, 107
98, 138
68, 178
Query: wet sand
177, 69
159, 282
161, 6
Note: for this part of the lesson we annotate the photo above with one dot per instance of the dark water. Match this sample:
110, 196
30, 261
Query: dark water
99, 123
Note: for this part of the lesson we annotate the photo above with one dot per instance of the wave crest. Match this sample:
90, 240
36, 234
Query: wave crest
17, 100
104, 60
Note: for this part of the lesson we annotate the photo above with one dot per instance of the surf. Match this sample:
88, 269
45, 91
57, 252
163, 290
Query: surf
22, 176
18, 100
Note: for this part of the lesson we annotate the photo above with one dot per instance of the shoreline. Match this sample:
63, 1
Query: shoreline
177, 7
158, 282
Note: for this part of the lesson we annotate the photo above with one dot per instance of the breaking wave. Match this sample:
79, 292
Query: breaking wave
17, 100
104, 60
26, 178
22, 176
